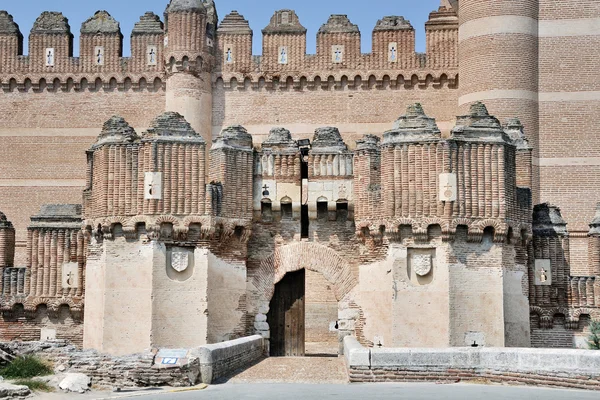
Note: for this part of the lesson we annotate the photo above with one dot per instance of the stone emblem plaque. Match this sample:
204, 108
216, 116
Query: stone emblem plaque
153, 186
421, 264
152, 54
50, 57
337, 54
393, 52
180, 260
99, 55
70, 275
283, 55
448, 187
543, 273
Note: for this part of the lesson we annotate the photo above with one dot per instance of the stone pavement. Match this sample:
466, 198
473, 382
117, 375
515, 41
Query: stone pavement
295, 370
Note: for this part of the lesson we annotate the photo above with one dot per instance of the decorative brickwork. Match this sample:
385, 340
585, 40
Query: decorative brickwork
195, 206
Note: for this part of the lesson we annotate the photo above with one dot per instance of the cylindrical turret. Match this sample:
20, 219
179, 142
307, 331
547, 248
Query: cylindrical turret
189, 59
594, 244
498, 60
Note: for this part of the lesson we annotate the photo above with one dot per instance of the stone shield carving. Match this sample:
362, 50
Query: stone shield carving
422, 264
180, 260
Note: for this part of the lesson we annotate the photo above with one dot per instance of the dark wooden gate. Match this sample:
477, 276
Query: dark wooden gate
286, 316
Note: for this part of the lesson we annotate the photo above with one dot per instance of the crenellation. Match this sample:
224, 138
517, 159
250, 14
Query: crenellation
211, 173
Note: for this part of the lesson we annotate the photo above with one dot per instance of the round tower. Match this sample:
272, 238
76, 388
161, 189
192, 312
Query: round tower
189, 58
498, 61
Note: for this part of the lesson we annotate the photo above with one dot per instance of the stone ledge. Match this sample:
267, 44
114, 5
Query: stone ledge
548, 367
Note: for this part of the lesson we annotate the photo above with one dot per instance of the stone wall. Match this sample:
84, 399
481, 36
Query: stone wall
221, 359
203, 364
557, 368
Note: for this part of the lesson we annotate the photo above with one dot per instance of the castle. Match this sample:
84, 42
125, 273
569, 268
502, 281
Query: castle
195, 193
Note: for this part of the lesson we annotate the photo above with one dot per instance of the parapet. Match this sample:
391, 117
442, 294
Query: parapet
51, 23
393, 23
412, 127
548, 221
186, 6
328, 140
339, 23
7, 25
595, 224
368, 143
234, 24
116, 131
280, 141
233, 137
57, 216
479, 125
284, 22
172, 126
101, 23
515, 131
4, 222
149, 24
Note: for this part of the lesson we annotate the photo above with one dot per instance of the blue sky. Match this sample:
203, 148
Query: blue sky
312, 13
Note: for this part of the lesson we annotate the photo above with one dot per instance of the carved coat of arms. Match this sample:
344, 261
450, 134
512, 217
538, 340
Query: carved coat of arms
180, 260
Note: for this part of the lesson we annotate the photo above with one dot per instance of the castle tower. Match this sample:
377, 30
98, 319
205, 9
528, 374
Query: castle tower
338, 43
284, 42
101, 44
394, 43
514, 129
11, 40
7, 244
498, 61
594, 245
442, 38
234, 43
231, 168
144, 194
147, 43
50, 43
277, 176
189, 58
367, 178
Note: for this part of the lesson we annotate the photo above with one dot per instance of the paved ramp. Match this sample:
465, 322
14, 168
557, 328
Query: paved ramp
314, 370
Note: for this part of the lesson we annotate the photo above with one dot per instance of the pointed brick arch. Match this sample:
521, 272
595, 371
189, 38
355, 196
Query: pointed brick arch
313, 257
309, 256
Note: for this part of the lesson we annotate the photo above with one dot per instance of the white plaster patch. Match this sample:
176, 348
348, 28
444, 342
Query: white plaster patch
152, 55
153, 186
393, 52
283, 55
70, 275
337, 54
99, 55
448, 187
49, 57
47, 334
543, 273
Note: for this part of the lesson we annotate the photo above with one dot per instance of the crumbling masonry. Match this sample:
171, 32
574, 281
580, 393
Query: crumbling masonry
209, 175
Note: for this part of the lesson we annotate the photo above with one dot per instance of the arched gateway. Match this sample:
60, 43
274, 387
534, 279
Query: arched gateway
281, 275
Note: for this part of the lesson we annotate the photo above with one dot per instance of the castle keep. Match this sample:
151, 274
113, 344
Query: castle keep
195, 193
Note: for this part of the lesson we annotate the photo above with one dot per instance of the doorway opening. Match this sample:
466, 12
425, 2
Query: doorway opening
286, 316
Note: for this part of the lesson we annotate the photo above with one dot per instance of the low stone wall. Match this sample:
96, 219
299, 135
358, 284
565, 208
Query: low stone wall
545, 367
203, 364
221, 359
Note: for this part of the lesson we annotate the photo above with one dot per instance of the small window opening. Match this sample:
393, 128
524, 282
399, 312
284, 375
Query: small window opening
342, 211
286, 208
322, 211
266, 210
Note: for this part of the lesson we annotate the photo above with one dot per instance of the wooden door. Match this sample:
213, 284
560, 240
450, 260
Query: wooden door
286, 316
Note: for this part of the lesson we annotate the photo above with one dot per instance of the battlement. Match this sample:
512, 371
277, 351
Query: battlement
50, 54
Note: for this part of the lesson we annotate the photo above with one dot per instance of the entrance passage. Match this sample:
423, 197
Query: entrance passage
286, 316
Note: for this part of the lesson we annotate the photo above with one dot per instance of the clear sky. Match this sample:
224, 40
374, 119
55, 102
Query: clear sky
312, 13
